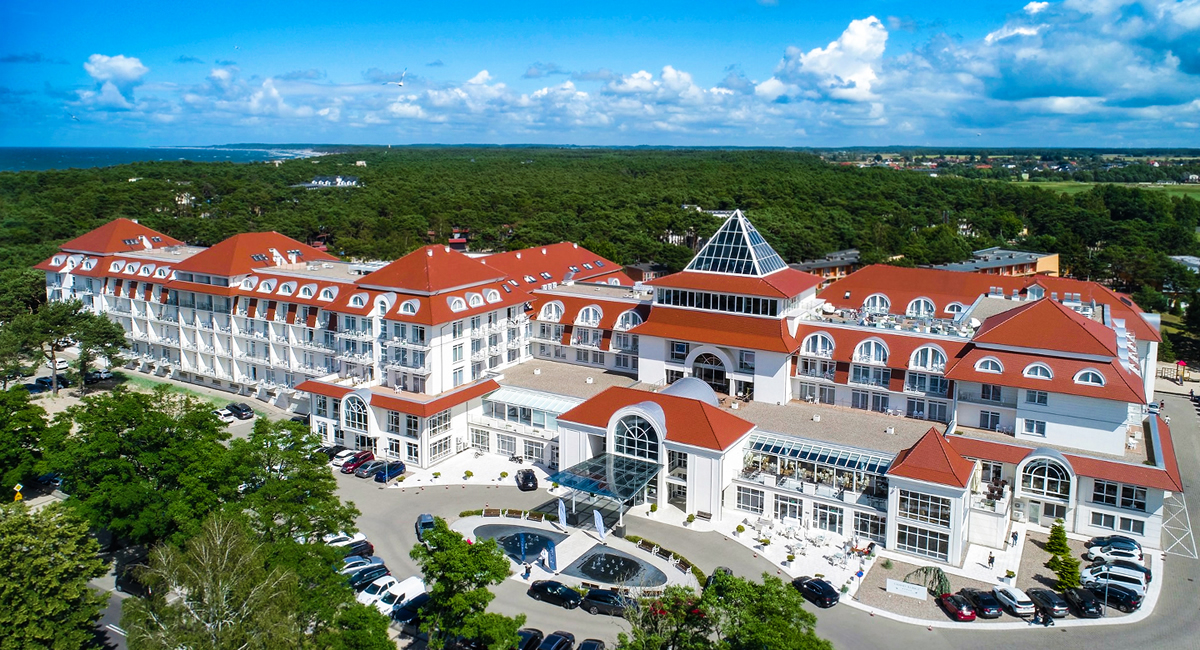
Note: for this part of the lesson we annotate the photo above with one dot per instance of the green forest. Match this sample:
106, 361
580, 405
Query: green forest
623, 203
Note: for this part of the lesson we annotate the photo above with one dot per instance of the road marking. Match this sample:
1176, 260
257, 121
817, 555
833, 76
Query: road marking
1177, 527
116, 629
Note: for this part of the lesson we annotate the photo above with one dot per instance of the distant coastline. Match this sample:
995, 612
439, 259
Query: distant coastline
15, 159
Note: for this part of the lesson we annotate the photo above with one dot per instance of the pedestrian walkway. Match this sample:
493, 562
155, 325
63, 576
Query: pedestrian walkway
975, 565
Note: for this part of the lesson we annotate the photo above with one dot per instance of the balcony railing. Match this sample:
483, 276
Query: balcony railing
868, 381
831, 492
820, 354
514, 344
815, 374
419, 344
868, 359
977, 398
357, 334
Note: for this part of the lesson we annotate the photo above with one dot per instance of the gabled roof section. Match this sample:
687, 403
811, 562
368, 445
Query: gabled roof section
1047, 325
689, 421
737, 249
432, 269
241, 254
119, 236
749, 332
933, 460
786, 283
557, 261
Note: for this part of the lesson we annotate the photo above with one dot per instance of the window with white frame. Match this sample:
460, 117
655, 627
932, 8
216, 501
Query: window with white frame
920, 541
412, 426
678, 350
1038, 397
920, 308
412, 452
750, 500
457, 377
1038, 371
394, 448
1103, 520
535, 451
924, 507
551, 311
989, 365
919, 382
872, 527
990, 471
928, 358
355, 411
870, 375
438, 423
481, 439
871, 351
634, 436
456, 329
1046, 478
1089, 377
439, 449
877, 303
818, 345
628, 320
1035, 427
989, 420
991, 393
1120, 495
745, 361
394, 421
456, 353
589, 316
322, 406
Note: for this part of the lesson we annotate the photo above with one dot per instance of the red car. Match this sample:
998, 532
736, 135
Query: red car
958, 607
354, 462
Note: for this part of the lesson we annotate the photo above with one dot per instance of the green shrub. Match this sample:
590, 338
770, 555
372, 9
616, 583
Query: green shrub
468, 474
470, 513
437, 475
653, 507
845, 589
741, 529
699, 575
691, 518
633, 539
503, 474
886, 564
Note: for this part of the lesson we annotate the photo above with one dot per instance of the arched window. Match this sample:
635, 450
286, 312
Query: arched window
989, 365
1045, 477
877, 303
491, 295
589, 316
1038, 371
955, 308
267, 286
475, 300
928, 358
818, 345
636, 437
355, 411
711, 370
409, 307
629, 320
328, 293
307, 290
921, 308
1090, 377
552, 312
358, 300
871, 352
456, 303
287, 288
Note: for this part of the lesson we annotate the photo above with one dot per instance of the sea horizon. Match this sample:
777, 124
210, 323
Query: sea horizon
16, 159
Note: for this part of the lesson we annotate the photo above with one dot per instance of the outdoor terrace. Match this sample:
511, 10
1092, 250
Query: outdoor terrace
896, 324
1138, 454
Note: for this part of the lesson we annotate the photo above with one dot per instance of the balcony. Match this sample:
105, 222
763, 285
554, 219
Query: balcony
478, 333
418, 344
848, 495
818, 354
977, 398
995, 498
479, 355
358, 335
514, 344
495, 350
876, 383
815, 374
869, 360
355, 357
519, 319
314, 345
512, 427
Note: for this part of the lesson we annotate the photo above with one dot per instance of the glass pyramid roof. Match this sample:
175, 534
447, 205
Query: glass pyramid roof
737, 249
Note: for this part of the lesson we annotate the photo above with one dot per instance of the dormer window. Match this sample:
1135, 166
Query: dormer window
287, 288
920, 308
955, 308
1038, 371
629, 320
307, 290
456, 303
492, 295
409, 307
358, 300
551, 312
928, 358
474, 300
249, 282
877, 304
989, 365
589, 316
267, 286
162, 272
1089, 377
871, 351
328, 293
58, 260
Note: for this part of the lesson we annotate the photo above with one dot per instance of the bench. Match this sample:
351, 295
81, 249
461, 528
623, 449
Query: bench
706, 516
534, 516
491, 512
514, 514
683, 565
589, 585
664, 554
647, 546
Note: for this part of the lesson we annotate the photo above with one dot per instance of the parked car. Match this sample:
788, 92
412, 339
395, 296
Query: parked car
394, 469
558, 641
399, 593
342, 457
817, 591
241, 411
1123, 598
365, 576
355, 562
330, 450
1109, 540
58, 364
128, 581
224, 415
343, 539
1049, 601
1131, 565
302, 419
526, 480
47, 382
721, 570
984, 603
1014, 600
424, 522
591, 644
957, 606
603, 601
96, 376
410, 612
555, 593
530, 638
369, 468
1102, 574
363, 548
1114, 552
1085, 603
377, 588
356, 461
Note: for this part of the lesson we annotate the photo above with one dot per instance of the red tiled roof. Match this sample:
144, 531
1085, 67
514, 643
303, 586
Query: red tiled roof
689, 421
394, 402
751, 332
235, 255
110, 238
933, 460
902, 285
1143, 475
435, 310
1048, 325
556, 259
322, 388
432, 269
1120, 383
784, 283
611, 310
900, 346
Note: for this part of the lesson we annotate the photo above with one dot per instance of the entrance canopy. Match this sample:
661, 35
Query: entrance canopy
608, 475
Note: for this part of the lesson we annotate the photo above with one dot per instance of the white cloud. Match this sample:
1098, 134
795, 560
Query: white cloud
846, 68
638, 82
119, 69
1036, 7
772, 89
1008, 31
482, 78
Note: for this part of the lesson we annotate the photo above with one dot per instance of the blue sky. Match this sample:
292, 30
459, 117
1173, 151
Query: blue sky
740, 72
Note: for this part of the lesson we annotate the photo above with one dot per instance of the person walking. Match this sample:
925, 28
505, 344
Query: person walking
1014, 538
991, 561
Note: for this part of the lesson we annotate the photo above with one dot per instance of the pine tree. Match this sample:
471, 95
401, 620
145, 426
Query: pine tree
1057, 545
1068, 573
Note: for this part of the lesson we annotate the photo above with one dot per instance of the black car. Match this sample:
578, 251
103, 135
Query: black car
1049, 601
555, 593
721, 570
366, 575
591, 644
817, 591
558, 641
47, 382
526, 480
302, 419
361, 547
530, 637
1109, 539
1085, 603
603, 601
330, 450
129, 583
410, 613
986, 605
1123, 598
241, 411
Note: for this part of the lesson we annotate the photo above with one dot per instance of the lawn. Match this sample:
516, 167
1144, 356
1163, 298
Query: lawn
1071, 187
147, 385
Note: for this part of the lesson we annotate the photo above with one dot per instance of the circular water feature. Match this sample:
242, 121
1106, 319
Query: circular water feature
509, 538
603, 564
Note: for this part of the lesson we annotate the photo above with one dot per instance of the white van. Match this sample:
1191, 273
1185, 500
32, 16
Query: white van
1117, 575
399, 594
